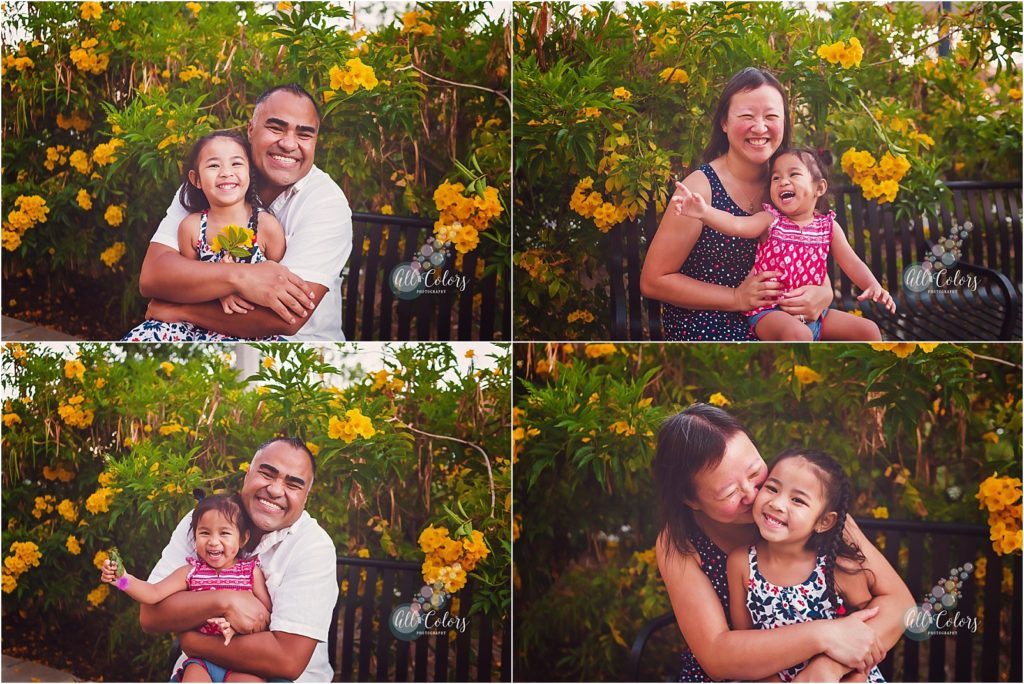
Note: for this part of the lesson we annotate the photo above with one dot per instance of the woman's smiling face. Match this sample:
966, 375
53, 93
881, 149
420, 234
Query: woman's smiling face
755, 123
726, 492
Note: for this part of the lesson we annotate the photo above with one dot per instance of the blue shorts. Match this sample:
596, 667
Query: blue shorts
216, 672
815, 326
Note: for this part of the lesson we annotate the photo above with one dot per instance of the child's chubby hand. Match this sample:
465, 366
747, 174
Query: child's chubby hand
225, 628
232, 304
877, 293
688, 203
109, 572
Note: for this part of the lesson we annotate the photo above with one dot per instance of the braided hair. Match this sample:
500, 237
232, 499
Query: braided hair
838, 498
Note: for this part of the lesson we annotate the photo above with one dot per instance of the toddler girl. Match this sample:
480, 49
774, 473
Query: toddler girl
803, 568
220, 528
217, 189
795, 242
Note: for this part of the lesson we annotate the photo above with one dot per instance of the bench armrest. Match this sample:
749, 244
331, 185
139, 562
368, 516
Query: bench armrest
1007, 289
640, 643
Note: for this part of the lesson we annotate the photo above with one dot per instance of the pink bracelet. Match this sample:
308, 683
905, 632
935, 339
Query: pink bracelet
122, 582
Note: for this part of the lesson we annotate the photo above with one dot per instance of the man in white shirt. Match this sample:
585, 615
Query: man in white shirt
301, 296
298, 560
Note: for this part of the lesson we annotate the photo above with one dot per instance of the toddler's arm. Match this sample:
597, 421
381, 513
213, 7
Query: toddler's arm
853, 266
143, 591
271, 238
188, 234
738, 570
688, 203
259, 588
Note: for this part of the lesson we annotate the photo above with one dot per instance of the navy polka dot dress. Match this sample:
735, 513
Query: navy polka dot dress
712, 561
720, 260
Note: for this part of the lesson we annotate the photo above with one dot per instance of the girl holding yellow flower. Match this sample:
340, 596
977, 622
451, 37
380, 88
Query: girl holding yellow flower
216, 188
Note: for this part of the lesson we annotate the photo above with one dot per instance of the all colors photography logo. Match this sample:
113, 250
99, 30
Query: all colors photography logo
426, 274
938, 272
424, 615
934, 615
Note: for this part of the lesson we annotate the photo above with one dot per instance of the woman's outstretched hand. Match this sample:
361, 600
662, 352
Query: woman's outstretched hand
759, 289
109, 572
853, 643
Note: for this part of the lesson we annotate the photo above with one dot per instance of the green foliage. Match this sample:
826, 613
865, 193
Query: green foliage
164, 74
119, 437
916, 427
953, 117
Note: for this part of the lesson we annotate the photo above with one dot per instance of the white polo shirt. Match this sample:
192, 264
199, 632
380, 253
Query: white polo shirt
317, 224
299, 563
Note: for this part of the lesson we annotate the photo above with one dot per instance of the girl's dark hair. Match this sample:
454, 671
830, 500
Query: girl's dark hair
839, 498
230, 506
194, 199
750, 78
689, 442
816, 163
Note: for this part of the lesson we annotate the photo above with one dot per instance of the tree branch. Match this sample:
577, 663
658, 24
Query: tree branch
487, 460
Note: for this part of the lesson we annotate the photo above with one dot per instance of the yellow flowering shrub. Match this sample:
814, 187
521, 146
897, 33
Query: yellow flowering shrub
878, 179
463, 216
1001, 496
848, 55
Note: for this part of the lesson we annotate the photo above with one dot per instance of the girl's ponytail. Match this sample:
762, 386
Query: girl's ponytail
832, 542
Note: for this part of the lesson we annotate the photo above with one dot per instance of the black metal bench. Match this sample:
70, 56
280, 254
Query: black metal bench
991, 252
368, 650
931, 550
371, 311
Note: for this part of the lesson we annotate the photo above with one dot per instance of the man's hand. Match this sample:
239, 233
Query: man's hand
272, 285
245, 613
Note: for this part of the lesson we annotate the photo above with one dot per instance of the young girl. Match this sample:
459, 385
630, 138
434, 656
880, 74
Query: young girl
803, 568
217, 190
795, 240
220, 528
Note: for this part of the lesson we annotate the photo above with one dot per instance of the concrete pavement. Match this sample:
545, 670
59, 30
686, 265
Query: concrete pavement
19, 331
19, 670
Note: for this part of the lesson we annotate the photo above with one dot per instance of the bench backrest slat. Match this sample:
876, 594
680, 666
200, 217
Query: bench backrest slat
370, 652
370, 310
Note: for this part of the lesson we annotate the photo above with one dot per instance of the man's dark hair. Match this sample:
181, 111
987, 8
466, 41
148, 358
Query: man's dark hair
294, 443
294, 89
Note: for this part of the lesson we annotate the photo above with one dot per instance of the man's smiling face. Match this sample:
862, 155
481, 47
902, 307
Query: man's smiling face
283, 134
276, 486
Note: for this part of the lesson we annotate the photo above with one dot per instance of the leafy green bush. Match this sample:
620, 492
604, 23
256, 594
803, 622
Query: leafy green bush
102, 102
104, 447
917, 427
623, 95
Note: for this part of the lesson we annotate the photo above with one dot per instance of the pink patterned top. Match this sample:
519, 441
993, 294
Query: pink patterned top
202, 577
800, 254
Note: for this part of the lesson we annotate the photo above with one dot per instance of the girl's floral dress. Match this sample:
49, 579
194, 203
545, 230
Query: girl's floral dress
161, 331
773, 606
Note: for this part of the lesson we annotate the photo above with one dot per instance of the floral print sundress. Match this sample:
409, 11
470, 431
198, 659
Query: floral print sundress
773, 606
160, 331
